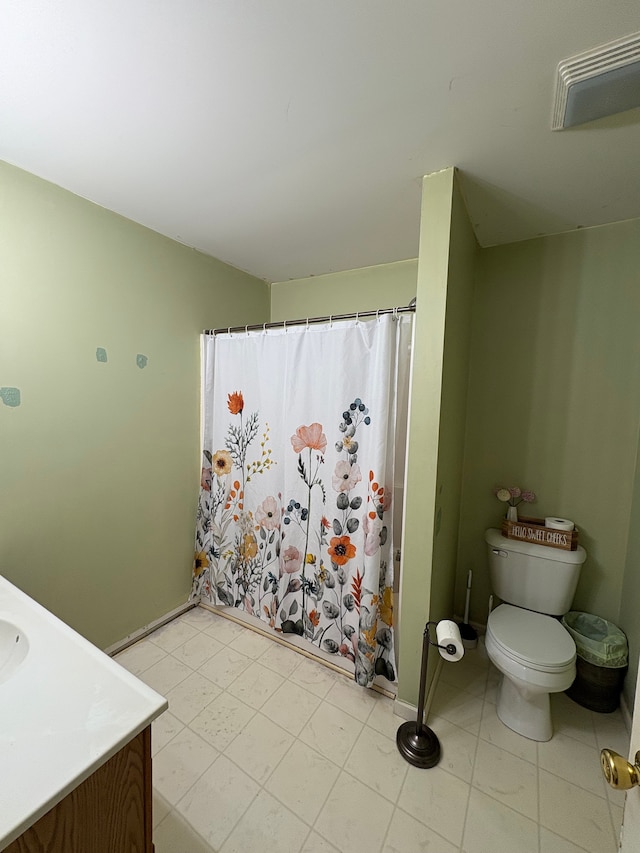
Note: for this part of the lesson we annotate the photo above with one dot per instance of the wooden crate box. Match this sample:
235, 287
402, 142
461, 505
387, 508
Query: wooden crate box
533, 530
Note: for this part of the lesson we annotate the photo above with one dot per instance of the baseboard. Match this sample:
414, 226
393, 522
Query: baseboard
130, 639
627, 716
404, 709
410, 712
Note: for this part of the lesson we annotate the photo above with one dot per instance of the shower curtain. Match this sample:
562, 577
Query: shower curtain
294, 513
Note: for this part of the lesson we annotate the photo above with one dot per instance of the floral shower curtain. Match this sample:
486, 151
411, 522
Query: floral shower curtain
294, 514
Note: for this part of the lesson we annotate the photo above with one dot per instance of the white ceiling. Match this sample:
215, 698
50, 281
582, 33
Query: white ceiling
288, 137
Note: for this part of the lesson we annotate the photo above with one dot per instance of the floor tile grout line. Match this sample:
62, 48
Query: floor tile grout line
342, 769
399, 808
506, 805
543, 825
306, 838
571, 840
262, 785
575, 784
245, 810
174, 806
613, 824
427, 825
396, 807
276, 797
388, 830
473, 768
362, 782
324, 802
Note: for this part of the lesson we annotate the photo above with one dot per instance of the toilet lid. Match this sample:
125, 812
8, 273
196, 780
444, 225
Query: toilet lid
533, 639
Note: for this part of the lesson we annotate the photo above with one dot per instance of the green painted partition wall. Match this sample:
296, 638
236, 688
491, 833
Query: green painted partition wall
100, 459
436, 421
463, 255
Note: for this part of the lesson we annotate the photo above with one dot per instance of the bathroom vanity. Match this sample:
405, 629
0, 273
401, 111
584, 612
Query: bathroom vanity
75, 742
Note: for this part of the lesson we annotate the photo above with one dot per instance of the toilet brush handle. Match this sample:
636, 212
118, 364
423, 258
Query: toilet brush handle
466, 604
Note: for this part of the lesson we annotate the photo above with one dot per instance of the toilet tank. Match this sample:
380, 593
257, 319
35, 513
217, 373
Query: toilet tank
537, 577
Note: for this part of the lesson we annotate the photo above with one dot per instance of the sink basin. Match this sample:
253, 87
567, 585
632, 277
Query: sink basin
14, 648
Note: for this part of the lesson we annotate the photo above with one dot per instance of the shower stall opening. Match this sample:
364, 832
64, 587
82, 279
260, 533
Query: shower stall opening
300, 506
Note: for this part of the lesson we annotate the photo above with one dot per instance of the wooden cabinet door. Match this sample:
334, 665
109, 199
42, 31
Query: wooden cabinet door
110, 812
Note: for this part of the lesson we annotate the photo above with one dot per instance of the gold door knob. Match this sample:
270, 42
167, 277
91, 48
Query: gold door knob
619, 772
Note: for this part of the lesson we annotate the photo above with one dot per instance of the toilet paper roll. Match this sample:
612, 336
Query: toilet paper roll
448, 634
559, 523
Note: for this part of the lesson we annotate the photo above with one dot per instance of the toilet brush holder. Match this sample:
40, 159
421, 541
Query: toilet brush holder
468, 632
416, 742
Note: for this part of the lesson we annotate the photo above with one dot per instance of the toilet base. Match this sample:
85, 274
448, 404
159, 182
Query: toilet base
526, 713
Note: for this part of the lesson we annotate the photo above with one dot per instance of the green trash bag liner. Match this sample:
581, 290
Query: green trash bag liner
597, 641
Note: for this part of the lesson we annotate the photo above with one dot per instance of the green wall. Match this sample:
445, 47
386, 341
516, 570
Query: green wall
554, 403
463, 254
383, 286
100, 461
631, 591
436, 421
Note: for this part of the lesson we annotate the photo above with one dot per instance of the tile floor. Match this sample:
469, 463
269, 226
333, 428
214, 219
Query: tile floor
263, 747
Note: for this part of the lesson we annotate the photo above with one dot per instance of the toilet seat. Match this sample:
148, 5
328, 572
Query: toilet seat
533, 640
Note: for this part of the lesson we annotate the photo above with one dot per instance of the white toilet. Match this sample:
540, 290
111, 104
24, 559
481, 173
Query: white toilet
532, 650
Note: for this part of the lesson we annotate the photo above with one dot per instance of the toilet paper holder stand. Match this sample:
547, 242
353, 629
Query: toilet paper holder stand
416, 742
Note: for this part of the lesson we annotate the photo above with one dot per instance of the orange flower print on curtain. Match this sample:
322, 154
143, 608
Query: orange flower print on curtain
235, 403
341, 549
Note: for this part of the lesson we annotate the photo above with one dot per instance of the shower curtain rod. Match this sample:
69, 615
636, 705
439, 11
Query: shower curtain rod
356, 315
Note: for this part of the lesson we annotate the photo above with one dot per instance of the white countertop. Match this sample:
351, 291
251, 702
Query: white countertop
64, 711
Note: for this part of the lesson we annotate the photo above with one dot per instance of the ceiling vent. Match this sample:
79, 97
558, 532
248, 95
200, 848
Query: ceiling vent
598, 83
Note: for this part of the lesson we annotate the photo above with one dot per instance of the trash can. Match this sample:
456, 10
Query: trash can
601, 661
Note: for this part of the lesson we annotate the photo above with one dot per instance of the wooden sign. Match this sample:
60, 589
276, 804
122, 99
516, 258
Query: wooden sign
533, 530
